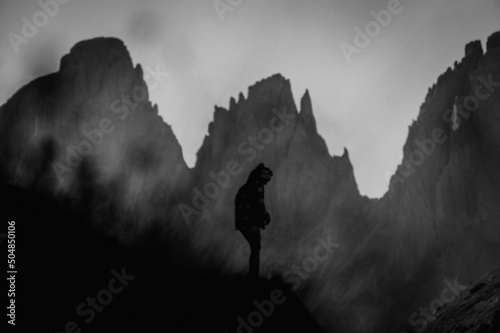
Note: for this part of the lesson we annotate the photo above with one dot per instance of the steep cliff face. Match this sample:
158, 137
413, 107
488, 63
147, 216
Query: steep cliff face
467, 221
446, 192
439, 218
93, 113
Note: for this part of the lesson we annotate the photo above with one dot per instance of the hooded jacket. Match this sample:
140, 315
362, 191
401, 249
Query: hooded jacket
250, 209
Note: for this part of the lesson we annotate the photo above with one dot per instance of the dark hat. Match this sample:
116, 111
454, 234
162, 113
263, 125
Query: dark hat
261, 172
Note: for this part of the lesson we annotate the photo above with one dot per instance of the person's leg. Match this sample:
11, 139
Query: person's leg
253, 238
255, 254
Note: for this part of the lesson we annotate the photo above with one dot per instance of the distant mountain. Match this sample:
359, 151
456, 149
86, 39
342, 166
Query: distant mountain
439, 220
94, 109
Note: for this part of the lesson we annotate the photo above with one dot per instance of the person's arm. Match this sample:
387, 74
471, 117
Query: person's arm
265, 214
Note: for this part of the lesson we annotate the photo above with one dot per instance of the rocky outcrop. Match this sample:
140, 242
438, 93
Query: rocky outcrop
93, 112
493, 42
476, 310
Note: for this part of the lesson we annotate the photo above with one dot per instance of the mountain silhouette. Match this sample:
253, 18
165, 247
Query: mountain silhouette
88, 135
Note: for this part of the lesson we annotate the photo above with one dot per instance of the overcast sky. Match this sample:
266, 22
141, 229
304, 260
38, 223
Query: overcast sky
365, 105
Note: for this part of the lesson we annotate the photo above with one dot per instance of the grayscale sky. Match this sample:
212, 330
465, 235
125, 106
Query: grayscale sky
366, 105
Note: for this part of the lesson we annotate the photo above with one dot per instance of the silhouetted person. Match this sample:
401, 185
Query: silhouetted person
251, 214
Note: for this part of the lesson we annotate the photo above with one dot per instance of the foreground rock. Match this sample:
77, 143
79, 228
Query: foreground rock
477, 310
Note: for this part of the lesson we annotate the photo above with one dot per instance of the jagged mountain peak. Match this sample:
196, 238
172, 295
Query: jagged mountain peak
493, 41
346, 153
275, 91
275, 82
306, 115
97, 83
232, 103
474, 47
343, 159
94, 63
241, 98
96, 53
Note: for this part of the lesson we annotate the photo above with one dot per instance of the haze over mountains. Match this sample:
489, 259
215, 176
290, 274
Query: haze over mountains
438, 222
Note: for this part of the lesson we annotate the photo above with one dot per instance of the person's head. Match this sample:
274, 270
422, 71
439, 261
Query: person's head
261, 175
